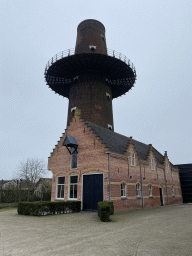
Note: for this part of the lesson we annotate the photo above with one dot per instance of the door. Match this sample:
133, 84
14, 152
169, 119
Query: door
92, 191
161, 196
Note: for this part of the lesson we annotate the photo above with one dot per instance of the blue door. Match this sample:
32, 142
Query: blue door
92, 191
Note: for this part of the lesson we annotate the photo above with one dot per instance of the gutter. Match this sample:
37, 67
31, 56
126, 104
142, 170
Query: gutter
109, 178
166, 186
142, 198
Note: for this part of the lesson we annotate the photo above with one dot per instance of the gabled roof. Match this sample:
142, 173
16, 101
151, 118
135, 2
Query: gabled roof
118, 143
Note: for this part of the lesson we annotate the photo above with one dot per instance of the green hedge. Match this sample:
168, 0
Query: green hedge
12, 195
44, 208
105, 209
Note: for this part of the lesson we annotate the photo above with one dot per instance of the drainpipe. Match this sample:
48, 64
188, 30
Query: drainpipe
109, 178
166, 186
141, 188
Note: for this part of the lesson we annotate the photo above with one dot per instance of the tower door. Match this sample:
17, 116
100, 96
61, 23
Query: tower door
92, 191
161, 196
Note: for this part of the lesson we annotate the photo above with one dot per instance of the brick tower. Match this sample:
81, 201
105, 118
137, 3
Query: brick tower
91, 75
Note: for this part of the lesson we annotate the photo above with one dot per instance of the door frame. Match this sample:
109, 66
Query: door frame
161, 195
82, 186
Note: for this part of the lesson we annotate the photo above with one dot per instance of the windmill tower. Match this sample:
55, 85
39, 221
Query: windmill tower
90, 75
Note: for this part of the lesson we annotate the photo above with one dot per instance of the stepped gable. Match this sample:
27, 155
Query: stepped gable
118, 143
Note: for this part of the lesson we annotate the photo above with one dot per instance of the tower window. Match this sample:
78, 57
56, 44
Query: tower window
103, 38
92, 47
107, 95
73, 109
110, 127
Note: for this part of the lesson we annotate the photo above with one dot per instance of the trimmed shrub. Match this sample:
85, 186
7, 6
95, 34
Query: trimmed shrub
105, 209
45, 208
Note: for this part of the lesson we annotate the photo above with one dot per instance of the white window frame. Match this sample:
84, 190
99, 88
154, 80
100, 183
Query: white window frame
92, 47
167, 168
73, 185
138, 190
172, 191
73, 109
132, 158
123, 189
62, 185
72, 158
150, 190
152, 164
110, 127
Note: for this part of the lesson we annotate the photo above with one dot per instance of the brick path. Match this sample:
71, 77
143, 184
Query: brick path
158, 231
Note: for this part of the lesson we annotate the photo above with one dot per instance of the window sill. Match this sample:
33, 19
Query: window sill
151, 196
59, 199
123, 197
139, 197
72, 199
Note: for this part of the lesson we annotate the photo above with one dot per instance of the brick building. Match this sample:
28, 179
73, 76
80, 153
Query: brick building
91, 162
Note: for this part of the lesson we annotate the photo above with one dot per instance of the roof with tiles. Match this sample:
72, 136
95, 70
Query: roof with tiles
118, 143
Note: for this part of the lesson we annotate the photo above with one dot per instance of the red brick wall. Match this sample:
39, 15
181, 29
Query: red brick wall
89, 95
90, 32
93, 159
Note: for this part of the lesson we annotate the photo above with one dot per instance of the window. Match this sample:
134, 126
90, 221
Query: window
74, 153
73, 187
138, 190
132, 158
60, 187
123, 189
150, 190
109, 127
73, 109
172, 191
167, 168
103, 38
92, 47
108, 96
152, 164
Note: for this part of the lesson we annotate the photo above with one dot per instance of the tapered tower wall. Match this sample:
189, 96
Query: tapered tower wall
92, 96
90, 33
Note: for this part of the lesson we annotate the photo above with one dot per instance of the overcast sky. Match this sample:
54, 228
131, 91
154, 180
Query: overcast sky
155, 35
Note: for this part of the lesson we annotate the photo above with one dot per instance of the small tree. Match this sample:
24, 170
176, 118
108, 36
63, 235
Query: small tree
30, 172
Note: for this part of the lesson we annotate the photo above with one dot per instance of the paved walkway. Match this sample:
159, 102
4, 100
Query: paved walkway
159, 231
